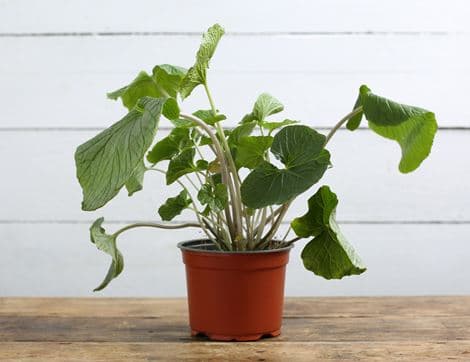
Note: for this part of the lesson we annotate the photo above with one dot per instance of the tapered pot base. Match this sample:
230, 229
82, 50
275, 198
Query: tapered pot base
242, 338
236, 295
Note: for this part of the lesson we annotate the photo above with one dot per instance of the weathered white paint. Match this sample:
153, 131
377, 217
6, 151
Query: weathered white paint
364, 175
59, 59
26, 16
64, 80
60, 260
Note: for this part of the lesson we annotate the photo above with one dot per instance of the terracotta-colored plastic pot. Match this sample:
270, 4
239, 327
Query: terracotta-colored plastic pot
234, 295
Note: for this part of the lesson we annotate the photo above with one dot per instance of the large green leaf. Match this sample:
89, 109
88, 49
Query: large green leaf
300, 149
107, 244
412, 127
107, 161
142, 86
328, 254
251, 150
170, 146
265, 106
169, 78
216, 198
196, 75
173, 206
136, 181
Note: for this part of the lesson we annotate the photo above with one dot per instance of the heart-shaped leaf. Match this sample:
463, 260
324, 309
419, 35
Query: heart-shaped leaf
250, 150
412, 127
328, 254
300, 149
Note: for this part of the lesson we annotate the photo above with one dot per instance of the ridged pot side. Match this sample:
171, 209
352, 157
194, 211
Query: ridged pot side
234, 295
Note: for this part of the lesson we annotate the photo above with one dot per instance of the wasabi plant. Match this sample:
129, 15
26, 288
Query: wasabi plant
239, 182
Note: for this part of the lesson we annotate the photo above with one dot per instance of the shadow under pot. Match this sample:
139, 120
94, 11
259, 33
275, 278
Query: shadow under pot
234, 296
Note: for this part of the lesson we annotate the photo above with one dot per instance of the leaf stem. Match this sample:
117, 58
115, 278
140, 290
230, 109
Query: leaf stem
156, 225
341, 122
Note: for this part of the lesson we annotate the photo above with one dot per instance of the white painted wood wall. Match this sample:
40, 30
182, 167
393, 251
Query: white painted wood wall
59, 58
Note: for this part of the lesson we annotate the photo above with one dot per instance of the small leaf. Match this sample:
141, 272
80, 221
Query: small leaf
169, 78
173, 206
181, 165
265, 106
202, 165
108, 160
171, 110
196, 75
216, 198
240, 131
209, 117
355, 121
412, 127
136, 181
107, 244
170, 146
142, 86
328, 254
271, 126
300, 149
182, 123
251, 150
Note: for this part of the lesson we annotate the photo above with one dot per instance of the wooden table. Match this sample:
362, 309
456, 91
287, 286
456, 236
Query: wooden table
96, 329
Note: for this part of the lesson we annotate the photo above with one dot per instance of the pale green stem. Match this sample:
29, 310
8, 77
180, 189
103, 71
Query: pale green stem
341, 122
155, 225
223, 165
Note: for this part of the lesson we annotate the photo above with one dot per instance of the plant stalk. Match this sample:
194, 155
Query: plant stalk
341, 122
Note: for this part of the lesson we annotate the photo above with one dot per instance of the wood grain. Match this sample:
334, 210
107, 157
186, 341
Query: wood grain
412, 328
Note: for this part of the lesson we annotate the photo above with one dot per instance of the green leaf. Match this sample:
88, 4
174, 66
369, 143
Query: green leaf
171, 110
182, 123
251, 150
355, 121
196, 75
173, 206
181, 165
412, 127
136, 181
328, 254
209, 117
169, 78
240, 131
170, 146
300, 149
216, 198
108, 160
265, 106
142, 86
271, 126
107, 244
202, 165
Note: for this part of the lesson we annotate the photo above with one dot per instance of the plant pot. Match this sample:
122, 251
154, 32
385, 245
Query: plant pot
234, 295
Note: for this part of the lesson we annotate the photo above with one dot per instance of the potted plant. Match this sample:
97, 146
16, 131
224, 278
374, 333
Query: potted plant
239, 183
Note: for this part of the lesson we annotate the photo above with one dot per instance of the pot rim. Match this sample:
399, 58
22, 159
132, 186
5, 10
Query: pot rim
191, 245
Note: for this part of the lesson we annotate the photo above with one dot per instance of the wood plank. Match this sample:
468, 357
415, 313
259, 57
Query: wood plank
247, 351
385, 195
59, 260
295, 307
22, 16
176, 329
317, 85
